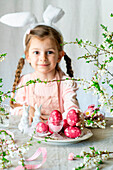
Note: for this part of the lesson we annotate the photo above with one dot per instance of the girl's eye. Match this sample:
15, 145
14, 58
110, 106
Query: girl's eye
49, 52
36, 52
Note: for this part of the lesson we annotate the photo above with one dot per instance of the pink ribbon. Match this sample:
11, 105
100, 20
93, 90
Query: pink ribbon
33, 157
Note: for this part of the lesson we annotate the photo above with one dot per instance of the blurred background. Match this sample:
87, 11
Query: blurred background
82, 20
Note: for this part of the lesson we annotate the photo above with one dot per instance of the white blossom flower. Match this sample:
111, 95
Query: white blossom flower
11, 145
82, 153
81, 164
19, 162
104, 156
86, 159
94, 92
23, 150
1, 161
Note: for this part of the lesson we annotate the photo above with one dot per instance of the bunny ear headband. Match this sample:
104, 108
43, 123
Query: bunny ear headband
51, 15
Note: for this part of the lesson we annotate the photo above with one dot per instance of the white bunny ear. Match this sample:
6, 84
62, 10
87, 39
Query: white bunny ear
52, 14
35, 106
19, 19
23, 106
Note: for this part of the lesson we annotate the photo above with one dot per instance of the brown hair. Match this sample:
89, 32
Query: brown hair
41, 31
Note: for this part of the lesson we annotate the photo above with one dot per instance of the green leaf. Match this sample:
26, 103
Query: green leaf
30, 144
108, 40
2, 109
23, 164
3, 55
4, 159
98, 50
104, 35
111, 110
13, 100
100, 162
0, 80
96, 153
78, 156
88, 155
89, 122
103, 27
110, 59
92, 115
111, 85
96, 84
111, 15
4, 154
102, 46
92, 148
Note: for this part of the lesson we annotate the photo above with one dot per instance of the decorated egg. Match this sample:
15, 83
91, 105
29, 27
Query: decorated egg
49, 128
55, 117
72, 132
72, 117
42, 127
50, 131
65, 124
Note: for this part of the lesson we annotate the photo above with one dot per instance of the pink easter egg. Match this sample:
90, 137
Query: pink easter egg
50, 131
49, 128
65, 124
72, 117
55, 117
72, 132
42, 127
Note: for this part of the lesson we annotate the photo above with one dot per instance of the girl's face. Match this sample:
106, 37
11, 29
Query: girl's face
43, 56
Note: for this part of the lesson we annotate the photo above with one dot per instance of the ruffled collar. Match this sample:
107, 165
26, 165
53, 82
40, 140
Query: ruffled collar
58, 76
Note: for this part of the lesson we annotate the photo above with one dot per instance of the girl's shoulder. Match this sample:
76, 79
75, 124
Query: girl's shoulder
27, 77
68, 82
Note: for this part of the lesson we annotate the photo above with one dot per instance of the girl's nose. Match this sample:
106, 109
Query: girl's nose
43, 57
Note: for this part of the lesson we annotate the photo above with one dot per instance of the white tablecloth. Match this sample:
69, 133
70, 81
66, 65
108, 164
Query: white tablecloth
57, 156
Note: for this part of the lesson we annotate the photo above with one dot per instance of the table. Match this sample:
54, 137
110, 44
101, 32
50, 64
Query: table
57, 156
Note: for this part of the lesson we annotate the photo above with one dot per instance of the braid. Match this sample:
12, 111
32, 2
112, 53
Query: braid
68, 65
16, 80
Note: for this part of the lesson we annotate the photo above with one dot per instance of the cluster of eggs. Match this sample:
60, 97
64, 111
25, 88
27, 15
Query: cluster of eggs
68, 125
70, 128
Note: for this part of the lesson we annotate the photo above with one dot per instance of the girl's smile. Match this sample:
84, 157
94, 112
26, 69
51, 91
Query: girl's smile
43, 65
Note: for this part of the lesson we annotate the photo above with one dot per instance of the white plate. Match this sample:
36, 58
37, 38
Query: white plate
86, 133
42, 134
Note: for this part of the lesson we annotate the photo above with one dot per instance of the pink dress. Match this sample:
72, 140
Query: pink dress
52, 96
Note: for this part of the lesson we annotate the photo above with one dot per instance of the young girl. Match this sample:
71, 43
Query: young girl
43, 50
